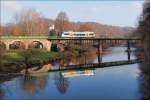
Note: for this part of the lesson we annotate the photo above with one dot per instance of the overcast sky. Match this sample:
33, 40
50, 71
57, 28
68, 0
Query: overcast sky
118, 13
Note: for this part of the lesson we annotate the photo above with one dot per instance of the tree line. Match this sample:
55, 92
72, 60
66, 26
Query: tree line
30, 22
143, 31
144, 22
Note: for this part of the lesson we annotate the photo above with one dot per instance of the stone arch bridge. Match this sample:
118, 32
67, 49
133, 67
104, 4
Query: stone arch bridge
25, 42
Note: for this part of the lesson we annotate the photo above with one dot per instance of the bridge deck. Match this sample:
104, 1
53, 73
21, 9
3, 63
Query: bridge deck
94, 39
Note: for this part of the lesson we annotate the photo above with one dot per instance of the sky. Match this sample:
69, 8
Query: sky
117, 13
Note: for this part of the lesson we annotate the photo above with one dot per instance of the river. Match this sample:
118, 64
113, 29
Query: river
115, 83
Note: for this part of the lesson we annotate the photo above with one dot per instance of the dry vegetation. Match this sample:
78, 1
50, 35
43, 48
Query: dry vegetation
144, 31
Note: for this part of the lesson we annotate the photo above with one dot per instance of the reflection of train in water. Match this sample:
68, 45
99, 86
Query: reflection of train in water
73, 73
78, 34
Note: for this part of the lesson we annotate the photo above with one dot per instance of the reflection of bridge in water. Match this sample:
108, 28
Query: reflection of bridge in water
97, 65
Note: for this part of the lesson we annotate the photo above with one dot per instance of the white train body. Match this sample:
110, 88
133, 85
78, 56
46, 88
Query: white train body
78, 34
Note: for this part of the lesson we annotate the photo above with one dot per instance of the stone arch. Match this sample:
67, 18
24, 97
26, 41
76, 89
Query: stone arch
36, 44
2, 46
17, 45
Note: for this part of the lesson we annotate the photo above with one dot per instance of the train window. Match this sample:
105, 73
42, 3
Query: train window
79, 34
91, 34
75, 34
82, 34
66, 33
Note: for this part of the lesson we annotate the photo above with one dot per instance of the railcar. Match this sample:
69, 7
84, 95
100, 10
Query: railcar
78, 35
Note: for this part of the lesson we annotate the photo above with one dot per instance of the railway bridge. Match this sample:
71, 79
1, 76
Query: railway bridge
45, 42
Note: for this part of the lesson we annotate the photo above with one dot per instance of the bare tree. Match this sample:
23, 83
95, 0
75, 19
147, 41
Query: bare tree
62, 22
31, 22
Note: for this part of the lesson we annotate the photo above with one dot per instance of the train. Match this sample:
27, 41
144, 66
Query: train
78, 35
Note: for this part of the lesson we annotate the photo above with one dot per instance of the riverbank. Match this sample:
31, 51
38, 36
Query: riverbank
15, 60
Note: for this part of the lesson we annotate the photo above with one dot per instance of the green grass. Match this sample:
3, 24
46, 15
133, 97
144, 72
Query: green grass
9, 59
42, 55
18, 56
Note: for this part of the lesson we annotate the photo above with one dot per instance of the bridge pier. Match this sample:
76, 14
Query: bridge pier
48, 46
7, 46
26, 46
128, 50
99, 51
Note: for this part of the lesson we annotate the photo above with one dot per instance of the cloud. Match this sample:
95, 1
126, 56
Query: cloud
13, 6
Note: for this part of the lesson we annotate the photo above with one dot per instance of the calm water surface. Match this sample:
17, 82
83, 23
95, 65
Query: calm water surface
115, 83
